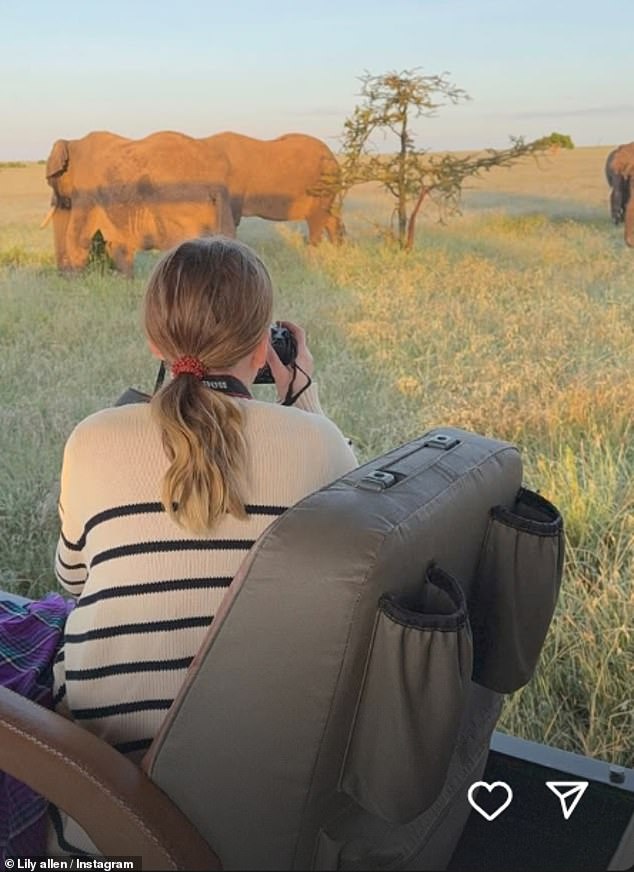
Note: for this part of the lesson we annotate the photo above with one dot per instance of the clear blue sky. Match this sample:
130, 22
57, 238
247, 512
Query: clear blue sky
266, 67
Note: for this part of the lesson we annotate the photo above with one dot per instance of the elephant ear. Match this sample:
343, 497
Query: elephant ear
57, 162
623, 160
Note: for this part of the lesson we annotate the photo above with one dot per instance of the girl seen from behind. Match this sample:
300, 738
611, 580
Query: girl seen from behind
161, 502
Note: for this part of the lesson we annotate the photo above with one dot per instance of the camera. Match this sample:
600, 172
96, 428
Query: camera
285, 346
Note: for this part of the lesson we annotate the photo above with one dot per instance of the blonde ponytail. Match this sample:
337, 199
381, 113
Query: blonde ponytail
202, 432
212, 299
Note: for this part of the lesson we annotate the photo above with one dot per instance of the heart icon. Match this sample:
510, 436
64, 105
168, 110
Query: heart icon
490, 787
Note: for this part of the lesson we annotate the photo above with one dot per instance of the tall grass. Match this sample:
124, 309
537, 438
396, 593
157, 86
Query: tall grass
514, 321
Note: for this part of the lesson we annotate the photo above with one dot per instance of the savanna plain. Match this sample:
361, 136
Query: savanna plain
515, 319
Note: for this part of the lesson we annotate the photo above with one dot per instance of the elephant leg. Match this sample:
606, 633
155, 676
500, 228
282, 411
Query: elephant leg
626, 195
78, 263
236, 205
324, 217
629, 218
316, 225
86, 226
335, 230
123, 258
618, 198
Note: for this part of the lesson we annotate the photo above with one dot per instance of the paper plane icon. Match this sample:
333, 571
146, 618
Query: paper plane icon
568, 793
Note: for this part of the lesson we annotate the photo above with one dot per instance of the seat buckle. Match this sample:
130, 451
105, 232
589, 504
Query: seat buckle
441, 440
377, 480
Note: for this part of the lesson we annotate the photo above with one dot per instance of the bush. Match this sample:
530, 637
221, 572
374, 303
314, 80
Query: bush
558, 140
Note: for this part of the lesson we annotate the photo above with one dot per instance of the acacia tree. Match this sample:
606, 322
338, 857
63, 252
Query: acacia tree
390, 102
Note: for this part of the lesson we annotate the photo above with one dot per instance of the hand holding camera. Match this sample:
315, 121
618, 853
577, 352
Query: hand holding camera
290, 364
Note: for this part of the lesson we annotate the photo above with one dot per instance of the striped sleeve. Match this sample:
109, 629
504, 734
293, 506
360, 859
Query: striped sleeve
71, 568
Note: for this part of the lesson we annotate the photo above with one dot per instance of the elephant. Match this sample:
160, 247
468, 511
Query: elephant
621, 166
291, 178
141, 194
619, 193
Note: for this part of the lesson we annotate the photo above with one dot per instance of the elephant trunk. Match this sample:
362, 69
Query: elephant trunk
60, 217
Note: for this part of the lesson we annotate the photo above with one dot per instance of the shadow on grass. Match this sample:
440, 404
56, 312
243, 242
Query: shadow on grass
555, 209
525, 239
255, 232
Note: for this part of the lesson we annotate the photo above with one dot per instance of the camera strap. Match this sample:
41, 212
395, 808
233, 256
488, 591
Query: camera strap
290, 399
226, 384
160, 378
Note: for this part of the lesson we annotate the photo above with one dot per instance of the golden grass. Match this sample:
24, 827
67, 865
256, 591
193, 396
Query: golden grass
514, 320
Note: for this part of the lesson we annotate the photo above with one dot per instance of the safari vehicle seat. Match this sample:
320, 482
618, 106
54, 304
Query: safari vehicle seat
345, 695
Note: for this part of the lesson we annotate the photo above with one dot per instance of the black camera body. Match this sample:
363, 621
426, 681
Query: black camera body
285, 346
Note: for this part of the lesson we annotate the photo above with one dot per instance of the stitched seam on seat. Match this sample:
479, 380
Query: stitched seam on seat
166, 848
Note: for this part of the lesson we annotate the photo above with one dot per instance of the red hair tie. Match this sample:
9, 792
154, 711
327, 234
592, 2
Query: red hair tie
188, 366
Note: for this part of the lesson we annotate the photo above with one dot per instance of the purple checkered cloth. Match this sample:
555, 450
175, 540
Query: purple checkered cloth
30, 636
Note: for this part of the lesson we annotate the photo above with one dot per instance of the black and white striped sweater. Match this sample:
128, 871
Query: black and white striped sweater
147, 589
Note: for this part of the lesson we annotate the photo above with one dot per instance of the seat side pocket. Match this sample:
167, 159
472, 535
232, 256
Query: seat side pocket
516, 587
411, 701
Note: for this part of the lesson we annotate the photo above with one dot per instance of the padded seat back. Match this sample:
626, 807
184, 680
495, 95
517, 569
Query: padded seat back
330, 720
